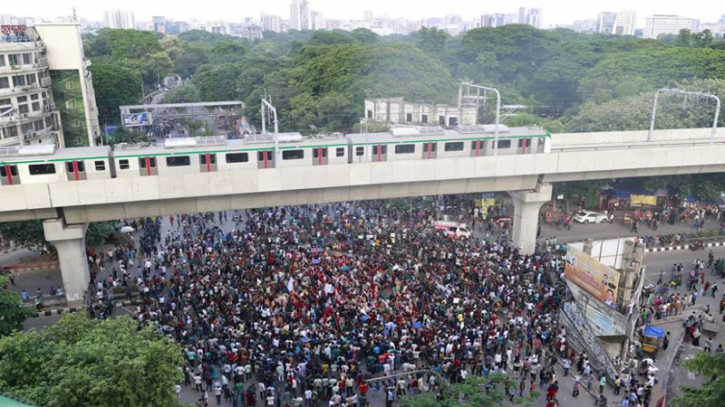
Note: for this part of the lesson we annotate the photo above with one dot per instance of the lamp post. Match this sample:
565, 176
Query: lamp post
673, 91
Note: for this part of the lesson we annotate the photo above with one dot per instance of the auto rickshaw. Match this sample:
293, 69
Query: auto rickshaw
650, 339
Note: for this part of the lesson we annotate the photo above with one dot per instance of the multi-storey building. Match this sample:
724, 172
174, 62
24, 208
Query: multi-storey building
625, 22
119, 19
531, 16
300, 15
27, 111
271, 23
669, 24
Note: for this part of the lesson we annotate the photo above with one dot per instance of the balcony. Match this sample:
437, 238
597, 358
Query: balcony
45, 82
41, 63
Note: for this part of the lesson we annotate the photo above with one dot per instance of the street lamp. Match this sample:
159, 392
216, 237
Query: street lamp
689, 93
498, 108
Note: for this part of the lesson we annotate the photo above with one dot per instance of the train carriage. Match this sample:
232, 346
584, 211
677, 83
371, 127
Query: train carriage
44, 164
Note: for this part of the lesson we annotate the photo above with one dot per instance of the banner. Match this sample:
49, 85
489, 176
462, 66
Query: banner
643, 200
594, 277
137, 119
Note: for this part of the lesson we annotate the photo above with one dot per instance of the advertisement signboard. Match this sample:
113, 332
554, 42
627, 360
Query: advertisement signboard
594, 277
137, 119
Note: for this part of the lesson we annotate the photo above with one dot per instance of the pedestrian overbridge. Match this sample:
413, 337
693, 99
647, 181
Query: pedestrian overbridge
69, 206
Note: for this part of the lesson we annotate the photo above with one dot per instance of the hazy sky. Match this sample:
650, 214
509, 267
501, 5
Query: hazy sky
555, 11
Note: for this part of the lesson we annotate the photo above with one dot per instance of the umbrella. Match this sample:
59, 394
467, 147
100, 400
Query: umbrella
417, 325
344, 268
364, 318
127, 229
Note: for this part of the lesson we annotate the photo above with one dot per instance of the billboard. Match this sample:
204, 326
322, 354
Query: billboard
594, 277
137, 119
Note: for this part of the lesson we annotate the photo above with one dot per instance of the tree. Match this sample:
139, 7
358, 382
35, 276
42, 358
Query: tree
126, 135
227, 51
431, 40
27, 233
98, 232
114, 86
712, 392
187, 93
217, 83
12, 311
83, 362
191, 59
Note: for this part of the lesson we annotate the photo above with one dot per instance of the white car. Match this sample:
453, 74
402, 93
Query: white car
590, 217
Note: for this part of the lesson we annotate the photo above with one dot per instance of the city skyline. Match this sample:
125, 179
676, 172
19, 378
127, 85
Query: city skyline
555, 12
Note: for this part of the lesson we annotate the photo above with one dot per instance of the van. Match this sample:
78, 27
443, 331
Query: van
453, 229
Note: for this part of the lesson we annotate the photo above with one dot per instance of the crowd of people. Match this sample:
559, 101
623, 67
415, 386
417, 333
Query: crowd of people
302, 305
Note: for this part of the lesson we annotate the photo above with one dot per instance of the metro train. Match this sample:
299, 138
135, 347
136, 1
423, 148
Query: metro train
44, 163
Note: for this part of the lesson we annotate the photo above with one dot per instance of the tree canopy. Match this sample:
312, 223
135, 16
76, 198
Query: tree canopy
12, 311
84, 362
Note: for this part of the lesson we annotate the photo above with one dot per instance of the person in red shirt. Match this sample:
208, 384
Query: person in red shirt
363, 389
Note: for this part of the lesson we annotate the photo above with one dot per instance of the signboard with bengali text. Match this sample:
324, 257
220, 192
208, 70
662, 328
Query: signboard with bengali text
597, 279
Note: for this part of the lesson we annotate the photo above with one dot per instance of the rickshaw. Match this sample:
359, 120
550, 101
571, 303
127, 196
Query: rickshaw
650, 339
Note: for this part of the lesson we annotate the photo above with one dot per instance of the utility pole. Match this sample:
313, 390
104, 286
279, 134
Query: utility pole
276, 125
498, 108
674, 91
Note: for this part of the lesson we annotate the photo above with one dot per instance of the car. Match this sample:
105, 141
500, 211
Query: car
590, 217
503, 221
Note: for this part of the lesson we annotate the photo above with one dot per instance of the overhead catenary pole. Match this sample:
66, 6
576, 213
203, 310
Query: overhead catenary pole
276, 125
498, 108
674, 91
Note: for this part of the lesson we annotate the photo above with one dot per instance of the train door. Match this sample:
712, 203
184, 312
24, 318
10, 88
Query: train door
380, 153
147, 166
76, 170
524, 146
319, 156
478, 148
207, 162
265, 159
541, 145
429, 150
9, 175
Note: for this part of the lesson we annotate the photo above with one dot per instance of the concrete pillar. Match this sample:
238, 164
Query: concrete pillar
526, 216
70, 242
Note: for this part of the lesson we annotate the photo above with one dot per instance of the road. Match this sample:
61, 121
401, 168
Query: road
655, 262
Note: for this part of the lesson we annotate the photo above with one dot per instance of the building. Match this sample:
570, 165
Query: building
625, 23
119, 19
271, 23
159, 24
318, 23
398, 111
585, 26
605, 22
176, 27
27, 110
368, 16
660, 24
531, 16
300, 15
493, 20
46, 90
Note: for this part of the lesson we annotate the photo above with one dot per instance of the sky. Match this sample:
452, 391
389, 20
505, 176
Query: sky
556, 12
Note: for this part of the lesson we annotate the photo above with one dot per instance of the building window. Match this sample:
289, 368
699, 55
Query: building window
504, 144
452, 121
442, 120
2, 60
179, 161
212, 158
340, 152
5, 102
123, 164
31, 78
101, 165
70, 104
41, 169
359, 151
38, 125
293, 155
76, 123
405, 149
34, 97
69, 85
27, 59
237, 158
316, 153
36, 106
49, 121
19, 80
457, 146
424, 118
14, 59
23, 108
4, 82
409, 117
370, 114
26, 128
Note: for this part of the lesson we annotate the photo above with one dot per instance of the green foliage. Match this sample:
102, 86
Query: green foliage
82, 362
712, 392
27, 233
576, 190
122, 44
126, 135
114, 86
12, 311
98, 232
187, 93
217, 83
227, 52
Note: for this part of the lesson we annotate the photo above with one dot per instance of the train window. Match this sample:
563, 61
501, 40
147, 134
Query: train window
504, 144
457, 146
178, 161
80, 166
13, 171
340, 152
380, 150
152, 162
541, 141
41, 169
429, 147
405, 149
270, 156
123, 164
293, 154
359, 151
237, 158
100, 165
212, 158
316, 153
